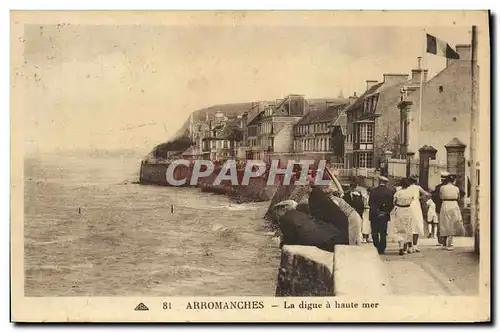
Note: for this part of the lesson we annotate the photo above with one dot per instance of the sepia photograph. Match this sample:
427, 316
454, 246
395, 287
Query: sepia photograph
250, 166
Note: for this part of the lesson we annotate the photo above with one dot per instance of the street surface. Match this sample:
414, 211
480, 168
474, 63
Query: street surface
433, 270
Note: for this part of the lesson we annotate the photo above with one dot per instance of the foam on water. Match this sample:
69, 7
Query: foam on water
126, 241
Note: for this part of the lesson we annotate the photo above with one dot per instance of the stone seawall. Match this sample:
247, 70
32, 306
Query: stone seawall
256, 191
350, 271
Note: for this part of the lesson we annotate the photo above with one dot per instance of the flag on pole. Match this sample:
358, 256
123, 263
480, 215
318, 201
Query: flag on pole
440, 47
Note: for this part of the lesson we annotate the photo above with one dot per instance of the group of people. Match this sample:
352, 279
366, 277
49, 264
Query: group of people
399, 212
323, 216
316, 215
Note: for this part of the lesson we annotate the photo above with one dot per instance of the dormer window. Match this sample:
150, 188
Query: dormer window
374, 103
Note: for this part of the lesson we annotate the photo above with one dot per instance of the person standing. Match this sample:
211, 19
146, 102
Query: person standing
432, 217
354, 198
366, 227
450, 216
320, 200
381, 202
418, 218
437, 200
402, 215
353, 217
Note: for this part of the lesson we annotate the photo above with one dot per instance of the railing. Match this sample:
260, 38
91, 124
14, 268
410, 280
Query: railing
337, 166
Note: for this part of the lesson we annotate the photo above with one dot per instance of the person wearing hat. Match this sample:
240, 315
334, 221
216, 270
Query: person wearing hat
298, 228
381, 203
418, 217
437, 200
340, 213
356, 200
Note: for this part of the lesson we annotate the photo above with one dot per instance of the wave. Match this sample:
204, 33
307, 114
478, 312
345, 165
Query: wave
229, 206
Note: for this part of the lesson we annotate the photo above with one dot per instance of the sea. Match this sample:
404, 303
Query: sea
91, 230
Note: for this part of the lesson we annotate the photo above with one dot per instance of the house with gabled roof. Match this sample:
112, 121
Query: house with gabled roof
445, 111
222, 140
373, 122
264, 122
319, 133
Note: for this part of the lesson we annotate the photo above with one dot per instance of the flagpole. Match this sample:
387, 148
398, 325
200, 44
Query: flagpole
473, 142
421, 92
421, 96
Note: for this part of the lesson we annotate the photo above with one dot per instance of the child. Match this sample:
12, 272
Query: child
432, 218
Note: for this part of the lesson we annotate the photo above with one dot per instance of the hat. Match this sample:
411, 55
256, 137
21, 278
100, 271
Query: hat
383, 178
289, 203
413, 176
445, 174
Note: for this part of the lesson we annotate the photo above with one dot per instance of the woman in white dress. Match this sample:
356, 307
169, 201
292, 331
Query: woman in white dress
418, 217
401, 217
366, 229
450, 216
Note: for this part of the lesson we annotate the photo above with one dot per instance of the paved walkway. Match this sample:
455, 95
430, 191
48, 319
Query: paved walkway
434, 271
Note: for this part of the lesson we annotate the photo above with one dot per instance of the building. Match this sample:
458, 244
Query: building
374, 120
320, 133
221, 141
262, 132
445, 112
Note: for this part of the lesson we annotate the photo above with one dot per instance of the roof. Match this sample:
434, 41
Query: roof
229, 130
255, 118
329, 114
192, 151
360, 101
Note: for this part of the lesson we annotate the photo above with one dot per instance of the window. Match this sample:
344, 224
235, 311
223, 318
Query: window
404, 133
366, 133
440, 88
365, 160
375, 101
225, 145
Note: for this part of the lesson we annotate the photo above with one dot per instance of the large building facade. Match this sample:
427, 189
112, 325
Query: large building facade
262, 136
319, 134
445, 111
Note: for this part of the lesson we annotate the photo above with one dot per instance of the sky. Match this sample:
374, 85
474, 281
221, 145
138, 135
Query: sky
116, 87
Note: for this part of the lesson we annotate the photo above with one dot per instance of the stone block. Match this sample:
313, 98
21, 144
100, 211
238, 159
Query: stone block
359, 271
305, 271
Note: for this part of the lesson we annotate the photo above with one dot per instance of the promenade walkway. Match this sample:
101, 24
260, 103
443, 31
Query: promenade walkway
433, 270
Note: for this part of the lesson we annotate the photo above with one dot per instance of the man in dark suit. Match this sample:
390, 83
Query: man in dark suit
381, 202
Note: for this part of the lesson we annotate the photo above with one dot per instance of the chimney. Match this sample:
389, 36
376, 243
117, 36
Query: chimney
352, 99
370, 83
416, 73
393, 79
464, 51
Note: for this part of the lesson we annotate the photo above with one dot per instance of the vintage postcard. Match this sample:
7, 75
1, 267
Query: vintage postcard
250, 166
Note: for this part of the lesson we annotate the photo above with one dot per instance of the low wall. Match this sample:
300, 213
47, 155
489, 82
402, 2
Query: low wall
358, 270
153, 174
350, 271
256, 191
305, 271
